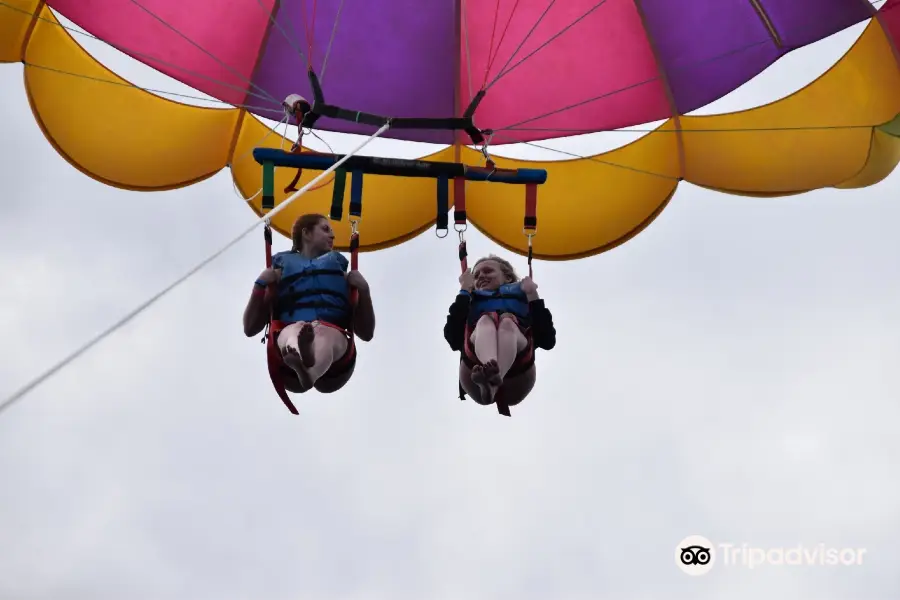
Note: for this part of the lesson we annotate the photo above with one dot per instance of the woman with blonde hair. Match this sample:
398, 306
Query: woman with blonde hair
495, 323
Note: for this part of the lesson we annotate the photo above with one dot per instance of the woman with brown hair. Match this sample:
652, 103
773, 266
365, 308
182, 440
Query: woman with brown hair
496, 322
313, 317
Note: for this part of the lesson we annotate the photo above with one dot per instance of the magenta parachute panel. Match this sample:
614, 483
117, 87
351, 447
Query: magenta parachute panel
210, 45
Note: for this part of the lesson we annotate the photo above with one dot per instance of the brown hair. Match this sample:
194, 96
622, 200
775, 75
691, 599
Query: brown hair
505, 266
304, 223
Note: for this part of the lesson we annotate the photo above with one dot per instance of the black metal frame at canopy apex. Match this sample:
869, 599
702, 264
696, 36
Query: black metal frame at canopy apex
320, 108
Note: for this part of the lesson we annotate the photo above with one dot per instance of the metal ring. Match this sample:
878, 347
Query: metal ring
465, 227
446, 233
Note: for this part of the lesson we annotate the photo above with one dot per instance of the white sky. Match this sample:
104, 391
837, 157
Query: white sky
730, 372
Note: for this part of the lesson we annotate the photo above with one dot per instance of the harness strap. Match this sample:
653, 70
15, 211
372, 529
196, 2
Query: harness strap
459, 215
273, 356
530, 225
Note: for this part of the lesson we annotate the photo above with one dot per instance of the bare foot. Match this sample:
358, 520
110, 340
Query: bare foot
492, 373
305, 344
480, 378
292, 355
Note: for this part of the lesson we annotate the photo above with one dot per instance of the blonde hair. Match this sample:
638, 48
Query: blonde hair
505, 266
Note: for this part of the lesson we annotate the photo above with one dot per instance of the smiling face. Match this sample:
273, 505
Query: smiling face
490, 274
318, 238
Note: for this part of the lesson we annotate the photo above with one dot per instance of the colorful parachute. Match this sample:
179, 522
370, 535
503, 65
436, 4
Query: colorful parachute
550, 69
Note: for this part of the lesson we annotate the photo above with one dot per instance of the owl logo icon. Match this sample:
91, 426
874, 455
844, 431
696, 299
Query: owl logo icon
695, 555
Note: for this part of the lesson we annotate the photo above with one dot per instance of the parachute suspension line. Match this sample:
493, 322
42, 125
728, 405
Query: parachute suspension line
19, 394
487, 70
284, 34
337, 20
488, 161
310, 29
494, 51
605, 162
135, 53
250, 107
505, 71
219, 61
696, 63
465, 35
521, 45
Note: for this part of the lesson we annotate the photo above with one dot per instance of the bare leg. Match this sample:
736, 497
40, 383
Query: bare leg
328, 346
484, 339
510, 342
295, 342
484, 343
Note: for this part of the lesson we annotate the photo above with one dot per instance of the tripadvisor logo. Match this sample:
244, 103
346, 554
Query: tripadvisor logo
696, 555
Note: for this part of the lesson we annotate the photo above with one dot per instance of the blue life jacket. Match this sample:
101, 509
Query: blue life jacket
508, 298
313, 289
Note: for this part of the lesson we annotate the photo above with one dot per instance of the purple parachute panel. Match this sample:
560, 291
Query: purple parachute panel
802, 22
394, 59
708, 48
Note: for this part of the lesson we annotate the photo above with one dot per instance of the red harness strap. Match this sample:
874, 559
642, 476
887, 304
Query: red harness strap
277, 369
273, 355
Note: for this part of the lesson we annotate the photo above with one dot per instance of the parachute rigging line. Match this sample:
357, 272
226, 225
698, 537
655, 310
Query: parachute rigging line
202, 49
494, 52
685, 66
504, 71
284, 34
535, 145
337, 19
136, 53
19, 394
143, 89
377, 121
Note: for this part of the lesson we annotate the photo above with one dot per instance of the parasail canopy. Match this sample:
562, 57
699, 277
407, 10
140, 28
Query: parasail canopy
548, 69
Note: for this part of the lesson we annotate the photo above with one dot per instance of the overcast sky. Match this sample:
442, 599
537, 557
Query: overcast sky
730, 372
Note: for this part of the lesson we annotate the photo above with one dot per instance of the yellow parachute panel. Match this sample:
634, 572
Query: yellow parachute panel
113, 131
15, 21
818, 137
587, 205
